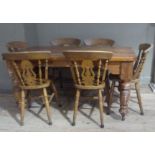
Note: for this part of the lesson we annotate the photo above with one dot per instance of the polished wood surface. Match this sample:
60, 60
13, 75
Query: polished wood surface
89, 73
121, 59
121, 64
119, 53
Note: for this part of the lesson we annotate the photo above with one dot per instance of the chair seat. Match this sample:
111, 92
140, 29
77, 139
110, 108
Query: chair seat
45, 84
114, 77
101, 86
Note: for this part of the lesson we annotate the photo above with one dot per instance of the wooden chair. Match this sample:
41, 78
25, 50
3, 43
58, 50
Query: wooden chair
83, 67
20, 46
22, 66
99, 42
137, 69
16, 46
64, 42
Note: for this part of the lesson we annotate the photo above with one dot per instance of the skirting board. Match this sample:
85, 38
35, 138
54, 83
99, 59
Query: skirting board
152, 86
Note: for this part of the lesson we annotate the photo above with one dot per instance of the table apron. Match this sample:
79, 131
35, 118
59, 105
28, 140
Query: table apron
124, 69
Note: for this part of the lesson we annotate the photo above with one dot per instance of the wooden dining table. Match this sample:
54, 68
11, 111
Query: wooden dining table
120, 64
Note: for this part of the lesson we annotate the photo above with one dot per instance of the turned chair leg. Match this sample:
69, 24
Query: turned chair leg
111, 92
137, 86
56, 95
101, 108
22, 107
77, 97
61, 78
29, 99
107, 90
47, 106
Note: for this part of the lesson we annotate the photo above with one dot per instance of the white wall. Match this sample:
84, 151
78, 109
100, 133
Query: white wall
31, 34
8, 32
130, 35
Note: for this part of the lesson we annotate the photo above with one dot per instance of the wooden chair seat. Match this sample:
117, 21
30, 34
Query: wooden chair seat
116, 78
101, 86
45, 83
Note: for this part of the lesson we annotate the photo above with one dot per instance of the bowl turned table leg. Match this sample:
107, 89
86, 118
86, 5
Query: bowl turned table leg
124, 97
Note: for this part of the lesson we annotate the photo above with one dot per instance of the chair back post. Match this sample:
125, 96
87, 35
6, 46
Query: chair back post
141, 58
40, 71
105, 70
46, 69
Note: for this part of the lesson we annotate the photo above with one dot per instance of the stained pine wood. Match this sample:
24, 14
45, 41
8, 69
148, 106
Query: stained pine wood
120, 54
120, 64
23, 64
88, 69
137, 69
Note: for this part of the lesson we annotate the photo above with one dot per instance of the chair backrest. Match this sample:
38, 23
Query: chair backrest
141, 58
88, 67
22, 65
66, 42
16, 46
99, 42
